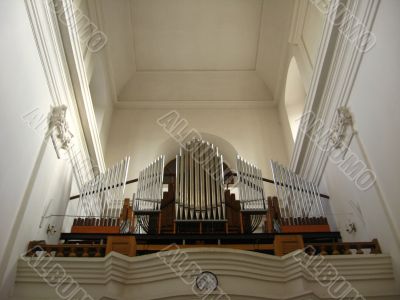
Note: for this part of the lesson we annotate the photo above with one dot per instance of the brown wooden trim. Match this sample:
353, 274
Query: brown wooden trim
285, 244
248, 247
344, 248
125, 245
95, 229
305, 228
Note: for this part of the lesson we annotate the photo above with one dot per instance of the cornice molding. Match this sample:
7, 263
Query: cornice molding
340, 80
296, 40
46, 31
333, 79
322, 66
49, 44
338, 63
80, 82
191, 104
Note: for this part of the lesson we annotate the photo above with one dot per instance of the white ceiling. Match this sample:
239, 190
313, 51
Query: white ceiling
195, 50
245, 86
196, 35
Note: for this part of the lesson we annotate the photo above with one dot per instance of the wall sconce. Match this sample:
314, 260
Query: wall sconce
342, 131
59, 130
351, 228
51, 230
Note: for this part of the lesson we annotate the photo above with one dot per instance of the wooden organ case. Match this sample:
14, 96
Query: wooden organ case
196, 201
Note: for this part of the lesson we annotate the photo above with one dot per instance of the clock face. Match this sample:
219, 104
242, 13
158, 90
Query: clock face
206, 282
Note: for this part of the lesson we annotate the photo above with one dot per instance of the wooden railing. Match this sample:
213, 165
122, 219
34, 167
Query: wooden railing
343, 248
66, 250
283, 244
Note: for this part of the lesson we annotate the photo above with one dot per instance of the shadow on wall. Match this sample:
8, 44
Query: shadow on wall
295, 95
170, 148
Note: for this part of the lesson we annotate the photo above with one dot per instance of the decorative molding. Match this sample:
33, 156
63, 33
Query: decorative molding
242, 104
334, 76
296, 20
48, 40
321, 67
299, 47
339, 136
302, 44
265, 276
59, 129
74, 56
298, 44
335, 89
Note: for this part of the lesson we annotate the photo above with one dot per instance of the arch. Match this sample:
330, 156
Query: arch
170, 148
295, 95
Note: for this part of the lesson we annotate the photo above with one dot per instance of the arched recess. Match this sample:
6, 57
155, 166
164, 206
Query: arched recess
170, 148
295, 95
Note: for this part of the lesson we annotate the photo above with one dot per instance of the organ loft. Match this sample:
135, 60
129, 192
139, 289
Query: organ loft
199, 149
197, 200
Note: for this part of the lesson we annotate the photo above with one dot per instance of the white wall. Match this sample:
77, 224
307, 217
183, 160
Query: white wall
303, 45
30, 174
276, 17
254, 133
294, 97
305, 36
102, 96
375, 105
287, 131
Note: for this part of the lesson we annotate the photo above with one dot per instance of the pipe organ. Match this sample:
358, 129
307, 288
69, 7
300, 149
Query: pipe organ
101, 200
251, 192
199, 183
149, 193
197, 200
251, 186
299, 200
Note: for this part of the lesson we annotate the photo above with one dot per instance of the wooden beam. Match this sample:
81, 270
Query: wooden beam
248, 247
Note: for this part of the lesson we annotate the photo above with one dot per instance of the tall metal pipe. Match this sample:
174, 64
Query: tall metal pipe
177, 186
196, 180
281, 186
289, 194
202, 183
186, 174
223, 188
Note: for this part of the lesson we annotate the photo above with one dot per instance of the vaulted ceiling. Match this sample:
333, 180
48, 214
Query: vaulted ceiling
197, 51
196, 35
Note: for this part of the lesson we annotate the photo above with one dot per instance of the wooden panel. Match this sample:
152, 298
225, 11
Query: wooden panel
125, 245
168, 210
284, 244
232, 212
273, 213
248, 247
305, 228
95, 229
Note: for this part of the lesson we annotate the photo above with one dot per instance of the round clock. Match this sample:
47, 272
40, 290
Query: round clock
207, 282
